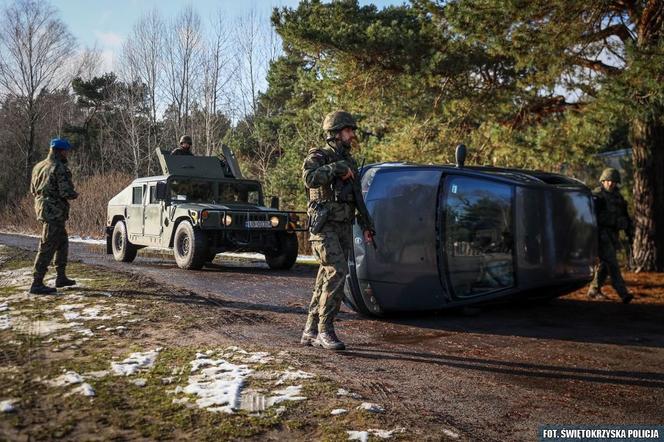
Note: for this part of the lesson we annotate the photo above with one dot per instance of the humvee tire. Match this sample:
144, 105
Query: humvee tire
286, 255
189, 247
123, 250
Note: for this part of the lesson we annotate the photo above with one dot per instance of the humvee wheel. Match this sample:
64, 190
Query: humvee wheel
284, 258
123, 250
189, 247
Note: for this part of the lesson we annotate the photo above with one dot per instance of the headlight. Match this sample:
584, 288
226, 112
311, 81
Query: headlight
228, 220
274, 220
204, 215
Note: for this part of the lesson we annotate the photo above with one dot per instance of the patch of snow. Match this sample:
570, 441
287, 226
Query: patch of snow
140, 382
68, 307
450, 433
291, 393
183, 400
96, 374
87, 240
364, 435
218, 385
85, 332
338, 411
343, 392
88, 314
4, 307
68, 378
8, 405
373, 408
293, 376
259, 357
135, 362
5, 322
85, 389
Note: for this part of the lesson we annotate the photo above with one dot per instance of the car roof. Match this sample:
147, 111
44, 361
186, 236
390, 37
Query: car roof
517, 176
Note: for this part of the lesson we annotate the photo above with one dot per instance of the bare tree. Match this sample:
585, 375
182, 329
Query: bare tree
216, 78
182, 58
142, 58
34, 47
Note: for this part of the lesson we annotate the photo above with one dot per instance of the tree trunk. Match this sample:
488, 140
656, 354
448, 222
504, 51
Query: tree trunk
648, 159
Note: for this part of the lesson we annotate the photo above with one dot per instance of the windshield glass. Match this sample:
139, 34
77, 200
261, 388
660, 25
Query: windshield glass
215, 192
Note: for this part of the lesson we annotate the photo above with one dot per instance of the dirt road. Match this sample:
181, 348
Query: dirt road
494, 375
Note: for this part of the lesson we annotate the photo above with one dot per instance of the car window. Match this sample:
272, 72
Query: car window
199, 191
137, 195
479, 235
153, 197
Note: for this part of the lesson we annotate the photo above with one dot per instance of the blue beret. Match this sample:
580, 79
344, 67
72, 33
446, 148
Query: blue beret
60, 143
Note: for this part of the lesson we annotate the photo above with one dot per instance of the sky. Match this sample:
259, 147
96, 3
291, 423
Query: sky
107, 23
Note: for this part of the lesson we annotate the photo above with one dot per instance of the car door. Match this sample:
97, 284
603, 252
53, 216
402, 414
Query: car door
153, 213
135, 212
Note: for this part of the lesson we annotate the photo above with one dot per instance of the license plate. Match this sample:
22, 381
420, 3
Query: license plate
257, 224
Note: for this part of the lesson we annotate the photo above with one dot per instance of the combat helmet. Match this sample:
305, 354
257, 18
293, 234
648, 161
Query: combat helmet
186, 139
610, 174
335, 121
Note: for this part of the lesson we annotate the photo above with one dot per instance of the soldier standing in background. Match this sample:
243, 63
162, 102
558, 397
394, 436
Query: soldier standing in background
185, 146
52, 188
328, 173
612, 217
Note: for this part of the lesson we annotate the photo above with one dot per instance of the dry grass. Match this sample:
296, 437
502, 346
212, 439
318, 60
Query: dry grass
88, 211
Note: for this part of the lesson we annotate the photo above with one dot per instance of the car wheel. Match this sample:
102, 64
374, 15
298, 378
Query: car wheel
286, 255
189, 247
123, 250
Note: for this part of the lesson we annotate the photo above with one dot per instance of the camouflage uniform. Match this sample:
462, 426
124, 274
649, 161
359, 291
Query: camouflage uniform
612, 217
322, 170
52, 187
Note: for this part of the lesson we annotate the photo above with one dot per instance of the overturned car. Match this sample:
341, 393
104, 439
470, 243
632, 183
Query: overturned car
199, 207
451, 236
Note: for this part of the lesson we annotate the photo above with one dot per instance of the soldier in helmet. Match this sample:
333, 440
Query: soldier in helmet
185, 146
612, 217
52, 188
328, 172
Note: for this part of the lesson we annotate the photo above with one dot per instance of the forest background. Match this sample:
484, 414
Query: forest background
539, 84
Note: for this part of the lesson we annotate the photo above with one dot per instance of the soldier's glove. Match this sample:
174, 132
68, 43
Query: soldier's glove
343, 170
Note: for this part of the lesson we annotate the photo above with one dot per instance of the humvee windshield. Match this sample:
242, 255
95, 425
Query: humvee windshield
214, 192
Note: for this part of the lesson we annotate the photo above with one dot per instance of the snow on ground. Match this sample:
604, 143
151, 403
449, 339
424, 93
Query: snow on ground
344, 392
338, 411
135, 362
5, 322
72, 378
289, 375
363, 436
373, 408
217, 381
8, 405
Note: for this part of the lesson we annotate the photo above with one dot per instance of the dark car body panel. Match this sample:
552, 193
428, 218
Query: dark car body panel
450, 236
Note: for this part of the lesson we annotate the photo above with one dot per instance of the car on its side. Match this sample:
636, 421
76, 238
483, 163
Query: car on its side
199, 207
451, 236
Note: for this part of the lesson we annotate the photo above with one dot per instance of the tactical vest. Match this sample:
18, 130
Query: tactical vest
339, 211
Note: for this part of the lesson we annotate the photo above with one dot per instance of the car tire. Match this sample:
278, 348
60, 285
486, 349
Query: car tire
286, 255
209, 258
189, 246
123, 250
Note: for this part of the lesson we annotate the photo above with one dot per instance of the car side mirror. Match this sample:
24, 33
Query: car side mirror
274, 202
160, 193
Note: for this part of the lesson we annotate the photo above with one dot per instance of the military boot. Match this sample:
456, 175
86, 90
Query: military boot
63, 281
308, 336
329, 341
594, 293
38, 287
627, 298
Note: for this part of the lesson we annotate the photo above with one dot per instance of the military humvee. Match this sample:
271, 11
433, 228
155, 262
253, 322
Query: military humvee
199, 207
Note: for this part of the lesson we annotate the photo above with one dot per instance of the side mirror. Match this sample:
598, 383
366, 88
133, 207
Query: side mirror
274, 202
160, 193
